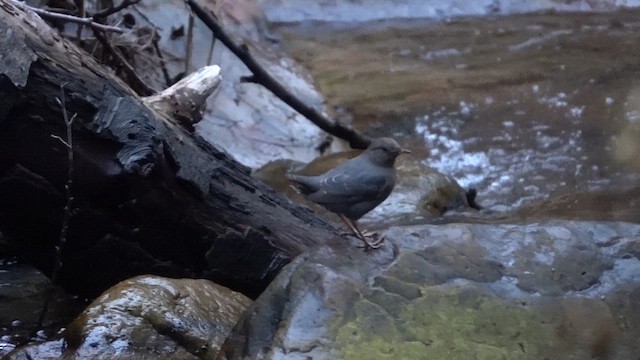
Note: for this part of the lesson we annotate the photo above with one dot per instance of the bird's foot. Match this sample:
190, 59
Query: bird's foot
365, 233
375, 244
371, 240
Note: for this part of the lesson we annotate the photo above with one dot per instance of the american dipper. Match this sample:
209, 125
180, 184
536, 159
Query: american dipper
357, 186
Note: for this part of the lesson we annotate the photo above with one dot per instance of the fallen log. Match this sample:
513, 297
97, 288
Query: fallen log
149, 195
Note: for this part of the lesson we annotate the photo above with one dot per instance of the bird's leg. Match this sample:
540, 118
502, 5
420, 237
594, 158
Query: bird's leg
352, 230
347, 222
360, 234
355, 231
368, 234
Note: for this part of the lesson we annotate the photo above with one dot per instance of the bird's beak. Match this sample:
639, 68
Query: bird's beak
405, 151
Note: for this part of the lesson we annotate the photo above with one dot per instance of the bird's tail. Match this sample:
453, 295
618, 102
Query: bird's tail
301, 184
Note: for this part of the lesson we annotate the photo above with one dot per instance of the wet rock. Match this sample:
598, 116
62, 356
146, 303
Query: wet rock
445, 194
555, 290
626, 146
421, 192
49, 350
153, 317
610, 204
23, 292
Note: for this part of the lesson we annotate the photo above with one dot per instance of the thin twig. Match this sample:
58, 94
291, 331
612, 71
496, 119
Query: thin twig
114, 9
68, 207
74, 19
58, 10
189, 49
213, 43
85, 39
83, 14
136, 82
156, 47
261, 76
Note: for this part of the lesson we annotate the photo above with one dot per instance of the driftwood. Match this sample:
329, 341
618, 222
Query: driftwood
149, 196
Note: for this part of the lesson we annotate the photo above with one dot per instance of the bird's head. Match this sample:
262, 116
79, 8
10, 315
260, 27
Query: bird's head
384, 151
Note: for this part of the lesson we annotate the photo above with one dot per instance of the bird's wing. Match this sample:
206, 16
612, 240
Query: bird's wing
305, 184
353, 185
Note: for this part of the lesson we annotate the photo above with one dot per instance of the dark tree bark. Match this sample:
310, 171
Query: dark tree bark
150, 196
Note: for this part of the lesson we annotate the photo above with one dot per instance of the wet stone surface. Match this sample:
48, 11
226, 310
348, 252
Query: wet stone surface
23, 293
148, 317
550, 290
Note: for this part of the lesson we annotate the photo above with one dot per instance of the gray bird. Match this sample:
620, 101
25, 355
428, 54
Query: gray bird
357, 186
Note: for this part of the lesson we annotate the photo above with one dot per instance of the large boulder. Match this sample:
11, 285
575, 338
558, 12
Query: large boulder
553, 290
148, 317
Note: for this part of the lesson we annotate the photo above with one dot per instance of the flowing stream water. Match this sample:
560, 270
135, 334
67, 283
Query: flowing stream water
525, 108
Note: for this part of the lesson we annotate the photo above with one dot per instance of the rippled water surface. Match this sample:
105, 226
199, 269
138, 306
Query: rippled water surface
524, 108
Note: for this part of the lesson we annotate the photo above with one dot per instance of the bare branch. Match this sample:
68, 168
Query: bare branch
74, 19
83, 14
61, 140
249, 79
163, 62
136, 82
114, 9
189, 49
211, 45
261, 76
68, 207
